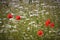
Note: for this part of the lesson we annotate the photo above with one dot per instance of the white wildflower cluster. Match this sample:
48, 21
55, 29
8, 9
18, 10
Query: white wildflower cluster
32, 22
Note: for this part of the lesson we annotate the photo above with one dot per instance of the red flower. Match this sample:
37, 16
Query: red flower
40, 33
47, 22
9, 16
18, 17
52, 25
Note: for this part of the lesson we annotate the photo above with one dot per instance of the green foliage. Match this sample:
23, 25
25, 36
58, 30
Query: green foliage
33, 17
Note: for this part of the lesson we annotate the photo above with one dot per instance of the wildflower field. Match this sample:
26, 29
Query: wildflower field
33, 20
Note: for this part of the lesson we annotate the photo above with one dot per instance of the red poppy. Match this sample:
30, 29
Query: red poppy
18, 17
47, 22
40, 33
52, 25
9, 16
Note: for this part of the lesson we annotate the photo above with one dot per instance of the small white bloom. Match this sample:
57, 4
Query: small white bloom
35, 25
1, 31
0, 22
14, 30
47, 12
31, 22
21, 7
43, 10
42, 3
25, 38
43, 13
5, 31
26, 8
14, 26
12, 13
28, 28
26, 34
11, 19
7, 11
27, 19
36, 14
31, 15
3, 25
48, 5
8, 26
36, 10
31, 36
21, 12
16, 5
49, 31
23, 16
44, 6
15, 0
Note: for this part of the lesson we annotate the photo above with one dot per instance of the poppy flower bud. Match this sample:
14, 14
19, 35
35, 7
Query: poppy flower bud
40, 33
18, 17
47, 22
52, 25
9, 16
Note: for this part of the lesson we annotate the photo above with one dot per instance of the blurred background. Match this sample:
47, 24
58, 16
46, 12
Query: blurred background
33, 14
